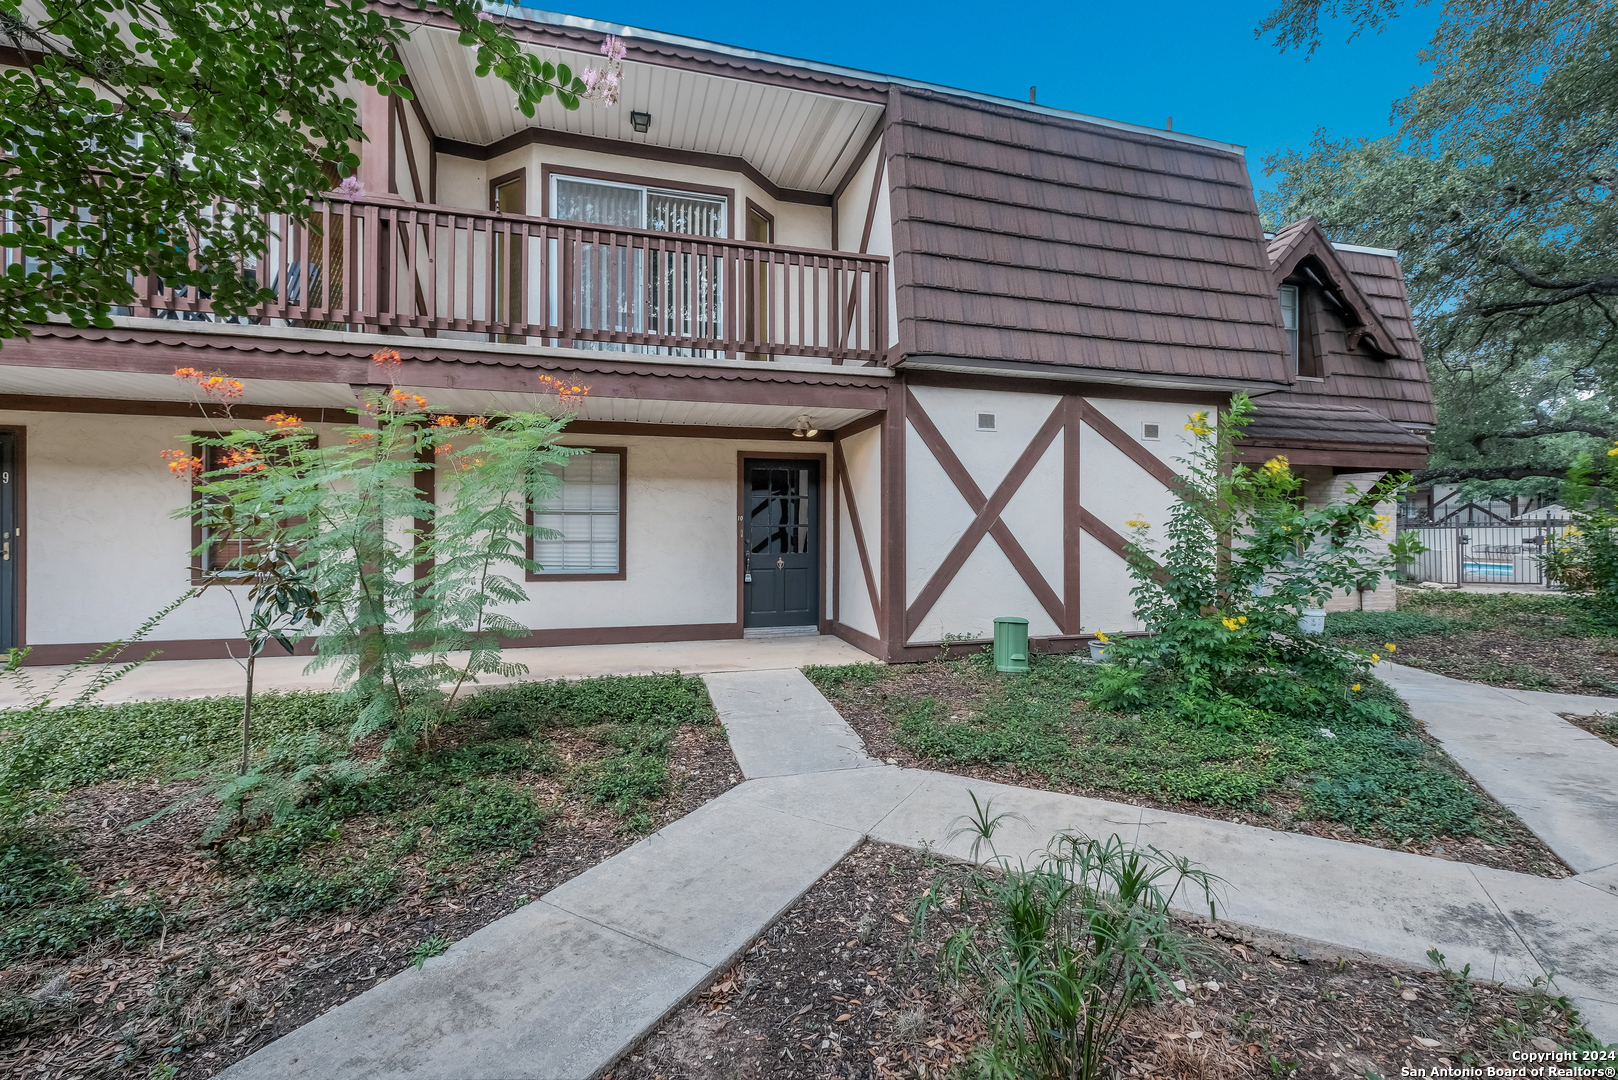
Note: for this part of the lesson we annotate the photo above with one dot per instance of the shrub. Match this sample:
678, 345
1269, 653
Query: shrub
1240, 557
32, 871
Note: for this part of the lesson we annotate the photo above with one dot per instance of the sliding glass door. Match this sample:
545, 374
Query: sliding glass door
644, 290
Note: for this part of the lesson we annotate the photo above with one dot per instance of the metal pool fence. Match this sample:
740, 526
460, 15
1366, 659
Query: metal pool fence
1483, 554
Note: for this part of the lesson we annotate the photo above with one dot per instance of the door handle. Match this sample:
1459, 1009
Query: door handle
5, 551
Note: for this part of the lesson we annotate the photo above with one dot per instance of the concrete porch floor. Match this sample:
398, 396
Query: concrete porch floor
214, 678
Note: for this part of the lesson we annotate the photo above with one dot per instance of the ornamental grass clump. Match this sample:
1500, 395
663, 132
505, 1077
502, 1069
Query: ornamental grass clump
1221, 588
1068, 947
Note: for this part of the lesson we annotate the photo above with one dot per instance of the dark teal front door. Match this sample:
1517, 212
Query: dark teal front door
781, 523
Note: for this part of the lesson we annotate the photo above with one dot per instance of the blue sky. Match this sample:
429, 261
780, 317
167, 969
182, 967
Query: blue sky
1140, 62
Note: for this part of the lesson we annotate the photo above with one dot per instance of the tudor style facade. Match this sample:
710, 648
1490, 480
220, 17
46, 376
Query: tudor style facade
865, 357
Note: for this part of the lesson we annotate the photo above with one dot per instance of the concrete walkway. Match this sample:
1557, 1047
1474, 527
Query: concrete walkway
563, 986
1559, 779
214, 678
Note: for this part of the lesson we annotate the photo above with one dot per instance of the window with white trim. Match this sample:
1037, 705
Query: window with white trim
1289, 321
584, 519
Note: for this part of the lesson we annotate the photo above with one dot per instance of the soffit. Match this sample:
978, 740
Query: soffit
800, 140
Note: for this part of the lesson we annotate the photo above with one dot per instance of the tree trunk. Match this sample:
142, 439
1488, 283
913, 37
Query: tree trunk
247, 714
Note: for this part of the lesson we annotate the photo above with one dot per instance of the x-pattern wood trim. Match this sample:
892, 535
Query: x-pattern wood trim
1155, 466
840, 467
987, 519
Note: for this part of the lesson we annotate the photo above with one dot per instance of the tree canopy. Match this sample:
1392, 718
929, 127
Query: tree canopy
146, 136
1497, 189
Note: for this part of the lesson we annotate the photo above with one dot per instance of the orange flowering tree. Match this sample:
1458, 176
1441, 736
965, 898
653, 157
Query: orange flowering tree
411, 593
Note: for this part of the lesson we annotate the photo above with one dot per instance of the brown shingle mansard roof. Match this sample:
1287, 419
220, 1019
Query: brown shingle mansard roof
1065, 243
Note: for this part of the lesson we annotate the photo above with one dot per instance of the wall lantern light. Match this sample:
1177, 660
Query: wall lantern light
641, 121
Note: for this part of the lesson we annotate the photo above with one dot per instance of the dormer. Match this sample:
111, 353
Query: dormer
1317, 296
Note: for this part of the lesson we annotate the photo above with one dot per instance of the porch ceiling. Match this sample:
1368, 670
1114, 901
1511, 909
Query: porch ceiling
800, 140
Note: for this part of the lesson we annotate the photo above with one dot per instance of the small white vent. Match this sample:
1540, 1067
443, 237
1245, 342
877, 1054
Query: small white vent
1151, 432
985, 421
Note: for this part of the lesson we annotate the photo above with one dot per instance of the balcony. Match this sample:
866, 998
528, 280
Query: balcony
380, 266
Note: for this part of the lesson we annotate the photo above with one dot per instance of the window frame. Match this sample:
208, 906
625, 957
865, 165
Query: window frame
199, 569
1295, 334
549, 174
622, 453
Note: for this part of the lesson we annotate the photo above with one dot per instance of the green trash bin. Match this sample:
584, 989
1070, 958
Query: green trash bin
1010, 644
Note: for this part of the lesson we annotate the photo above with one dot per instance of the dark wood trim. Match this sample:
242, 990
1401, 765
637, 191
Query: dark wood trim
1063, 387
1155, 466
393, 144
228, 648
854, 427
642, 151
894, 568
1099, 529
421, 194
876, 196
191, 410
1072, 482
622, 453
823, 584
514, 176
1377, 458
836, 536
878, 130
426, 481
987, 520
436, 363
624, 635
547, 172
691, 431
864, 642
840, 465
752, 207
20, 545
194, 561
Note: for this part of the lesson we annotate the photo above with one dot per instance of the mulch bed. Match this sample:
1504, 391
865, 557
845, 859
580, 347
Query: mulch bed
1601, 725
227, 985
840, 988
1500, 657
1519, 851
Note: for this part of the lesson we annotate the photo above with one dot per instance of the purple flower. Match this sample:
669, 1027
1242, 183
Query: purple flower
351, 188
590, 76
613, 48
485, 16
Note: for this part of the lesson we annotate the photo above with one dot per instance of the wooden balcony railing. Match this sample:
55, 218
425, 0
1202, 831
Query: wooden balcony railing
397, 267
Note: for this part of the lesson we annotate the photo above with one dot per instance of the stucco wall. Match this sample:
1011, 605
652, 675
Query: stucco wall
1111, 486
104, 551
862, 454
465, 182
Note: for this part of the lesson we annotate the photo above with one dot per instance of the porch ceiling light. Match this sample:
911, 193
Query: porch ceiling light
641, 121
803, 429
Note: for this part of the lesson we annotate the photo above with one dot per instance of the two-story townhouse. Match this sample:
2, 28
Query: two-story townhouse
865, 357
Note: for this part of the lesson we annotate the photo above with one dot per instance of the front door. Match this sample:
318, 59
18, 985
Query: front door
781, 534
10, 540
